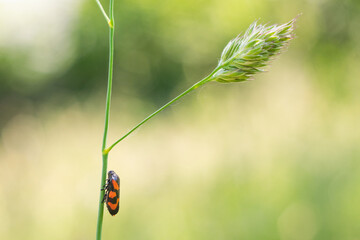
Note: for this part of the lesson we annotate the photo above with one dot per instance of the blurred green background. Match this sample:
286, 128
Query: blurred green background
273, 158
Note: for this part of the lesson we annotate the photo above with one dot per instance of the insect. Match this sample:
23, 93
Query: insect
112, 193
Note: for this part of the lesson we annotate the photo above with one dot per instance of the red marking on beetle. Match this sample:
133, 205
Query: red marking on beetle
112, 194
115, 184
113, 206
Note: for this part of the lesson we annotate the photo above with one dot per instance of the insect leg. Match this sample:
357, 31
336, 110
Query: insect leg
104, 198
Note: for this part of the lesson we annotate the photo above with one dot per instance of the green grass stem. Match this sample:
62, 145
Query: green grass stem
110, 20
193, 87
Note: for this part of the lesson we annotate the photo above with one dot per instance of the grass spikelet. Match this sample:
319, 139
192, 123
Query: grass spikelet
249, 53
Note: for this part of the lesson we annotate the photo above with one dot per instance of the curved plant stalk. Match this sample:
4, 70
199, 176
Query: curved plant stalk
193, 87
111, 24
242, 57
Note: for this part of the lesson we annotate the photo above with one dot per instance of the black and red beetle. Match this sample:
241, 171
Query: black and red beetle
112, 193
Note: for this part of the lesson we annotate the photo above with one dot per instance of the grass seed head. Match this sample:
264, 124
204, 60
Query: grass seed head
249, 53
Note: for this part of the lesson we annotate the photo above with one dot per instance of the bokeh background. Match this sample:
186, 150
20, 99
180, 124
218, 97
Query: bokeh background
273, 158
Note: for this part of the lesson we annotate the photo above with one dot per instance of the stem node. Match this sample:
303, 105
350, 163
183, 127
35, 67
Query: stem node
111, 24
106, 151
